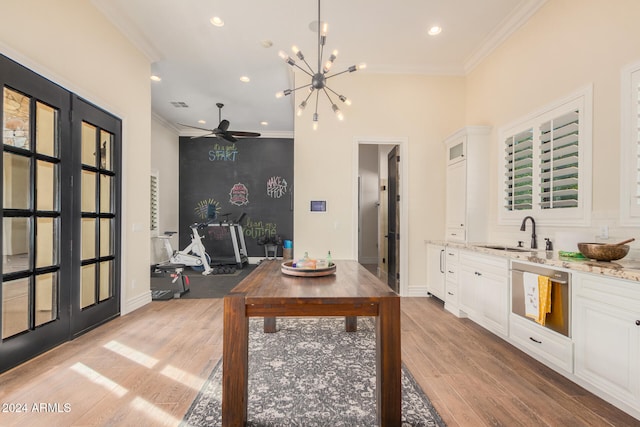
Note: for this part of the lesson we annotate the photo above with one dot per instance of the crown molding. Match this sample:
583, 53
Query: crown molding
503, 31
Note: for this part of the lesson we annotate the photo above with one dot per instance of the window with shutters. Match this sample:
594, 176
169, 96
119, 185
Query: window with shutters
154, 203
630, 150
546, 164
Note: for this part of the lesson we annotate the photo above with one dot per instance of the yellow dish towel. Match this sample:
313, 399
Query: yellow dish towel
544, 304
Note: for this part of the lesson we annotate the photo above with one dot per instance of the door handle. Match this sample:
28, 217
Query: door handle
535, 340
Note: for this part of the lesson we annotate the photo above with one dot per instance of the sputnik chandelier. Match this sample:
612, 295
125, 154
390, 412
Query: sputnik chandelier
318, 78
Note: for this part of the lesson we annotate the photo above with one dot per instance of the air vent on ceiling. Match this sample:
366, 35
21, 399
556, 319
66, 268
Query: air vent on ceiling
179, 104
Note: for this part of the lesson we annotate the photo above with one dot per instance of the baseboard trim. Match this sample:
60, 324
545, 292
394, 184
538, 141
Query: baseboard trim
135, 303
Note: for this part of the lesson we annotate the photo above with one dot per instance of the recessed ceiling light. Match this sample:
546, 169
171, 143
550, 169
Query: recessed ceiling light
155, 78
266, 43
264, 123
435, 30
245, 79
202, 121
217, 21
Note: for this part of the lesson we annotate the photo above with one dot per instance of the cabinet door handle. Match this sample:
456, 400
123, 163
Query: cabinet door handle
451, 272
637, 322
535, 340
450, 293
441, 261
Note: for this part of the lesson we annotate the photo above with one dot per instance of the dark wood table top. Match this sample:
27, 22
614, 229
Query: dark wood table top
351, 282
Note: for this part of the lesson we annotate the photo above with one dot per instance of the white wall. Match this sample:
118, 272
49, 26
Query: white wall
72, 44
165, 161
566, 46
423, 109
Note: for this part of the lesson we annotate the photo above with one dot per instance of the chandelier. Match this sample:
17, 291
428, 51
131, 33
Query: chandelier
319, 77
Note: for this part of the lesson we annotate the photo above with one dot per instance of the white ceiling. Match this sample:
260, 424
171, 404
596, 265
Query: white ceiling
201, 64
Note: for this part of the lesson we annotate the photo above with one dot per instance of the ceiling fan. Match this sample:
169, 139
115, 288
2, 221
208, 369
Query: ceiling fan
222, 131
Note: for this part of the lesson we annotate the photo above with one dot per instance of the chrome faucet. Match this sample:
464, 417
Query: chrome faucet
534, 243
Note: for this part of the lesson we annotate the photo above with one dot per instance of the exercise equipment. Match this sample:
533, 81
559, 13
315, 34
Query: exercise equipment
237, 239
176, 273
194, 255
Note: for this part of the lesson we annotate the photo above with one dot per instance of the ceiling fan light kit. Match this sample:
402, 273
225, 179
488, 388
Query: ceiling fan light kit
319, 77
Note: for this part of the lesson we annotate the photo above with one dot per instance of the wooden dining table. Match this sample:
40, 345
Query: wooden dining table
350, 292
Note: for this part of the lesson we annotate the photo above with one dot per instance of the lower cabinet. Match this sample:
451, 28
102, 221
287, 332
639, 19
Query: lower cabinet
435, 270
483, 290
606, 335
542, 343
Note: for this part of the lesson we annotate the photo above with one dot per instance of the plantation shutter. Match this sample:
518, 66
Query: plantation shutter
559, 162
154, 202
636, 134
519, 171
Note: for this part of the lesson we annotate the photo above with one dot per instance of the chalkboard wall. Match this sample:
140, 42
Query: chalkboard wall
252, 176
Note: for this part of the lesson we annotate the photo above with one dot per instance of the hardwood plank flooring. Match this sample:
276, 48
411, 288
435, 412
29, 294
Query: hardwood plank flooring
145, 369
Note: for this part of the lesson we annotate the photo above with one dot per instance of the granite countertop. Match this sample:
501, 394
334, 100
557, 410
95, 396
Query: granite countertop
627, 268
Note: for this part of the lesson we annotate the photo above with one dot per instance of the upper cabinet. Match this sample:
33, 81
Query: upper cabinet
467, 184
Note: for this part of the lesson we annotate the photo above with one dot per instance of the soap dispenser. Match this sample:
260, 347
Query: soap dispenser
548, 246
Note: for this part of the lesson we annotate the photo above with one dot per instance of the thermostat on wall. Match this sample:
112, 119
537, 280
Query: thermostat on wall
318, 206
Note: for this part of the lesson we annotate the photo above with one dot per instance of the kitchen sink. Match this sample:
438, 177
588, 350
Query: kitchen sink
504, 248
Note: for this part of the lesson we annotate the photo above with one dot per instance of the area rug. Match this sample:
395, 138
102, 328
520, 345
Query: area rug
312, 373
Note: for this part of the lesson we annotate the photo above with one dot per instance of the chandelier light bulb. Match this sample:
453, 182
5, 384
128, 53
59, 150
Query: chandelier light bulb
298, 52
301, 108
344, 99
283, 93
361, 66
315, 121
336, 110
282, 54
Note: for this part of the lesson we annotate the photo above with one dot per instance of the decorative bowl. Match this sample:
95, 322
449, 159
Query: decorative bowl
288, 269
603, 251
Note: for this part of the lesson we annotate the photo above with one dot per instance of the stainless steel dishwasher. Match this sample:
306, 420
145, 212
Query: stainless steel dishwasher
559, 318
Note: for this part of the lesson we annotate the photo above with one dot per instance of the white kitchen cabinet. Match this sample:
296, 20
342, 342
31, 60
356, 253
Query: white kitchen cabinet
483, 287
467, 184
541, 343
452, 267
435, 270
606, 335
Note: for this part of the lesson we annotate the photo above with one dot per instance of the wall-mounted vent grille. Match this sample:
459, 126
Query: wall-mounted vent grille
179, 104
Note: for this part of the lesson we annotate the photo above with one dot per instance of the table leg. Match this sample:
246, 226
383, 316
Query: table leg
269, 325
388, 363
350, 323
235, 361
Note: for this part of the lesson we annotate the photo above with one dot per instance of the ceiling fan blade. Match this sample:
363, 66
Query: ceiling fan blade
242, 133
224, 125
196, 127
227, 136
203, 136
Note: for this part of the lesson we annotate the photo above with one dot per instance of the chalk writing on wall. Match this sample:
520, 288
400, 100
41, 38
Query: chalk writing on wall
223, 153
276, 187
203, 207
239, 195
256, 229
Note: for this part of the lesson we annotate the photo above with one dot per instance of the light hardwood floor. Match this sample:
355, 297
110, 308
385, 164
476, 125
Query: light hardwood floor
145, 369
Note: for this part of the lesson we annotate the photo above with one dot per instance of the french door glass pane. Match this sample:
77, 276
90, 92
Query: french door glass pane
105, 237
46, 252
46, 298
105, 280
16, 181
16, 251
87, 285
88, 202
47, 185
89, 144
15, 307
46, 132
106, 150
105, 194
88, 241
16, 119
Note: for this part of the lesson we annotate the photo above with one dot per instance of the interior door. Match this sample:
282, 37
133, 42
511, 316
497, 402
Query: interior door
36, 219
393, 223
96, 293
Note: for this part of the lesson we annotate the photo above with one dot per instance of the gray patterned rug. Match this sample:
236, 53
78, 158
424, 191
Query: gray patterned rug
312, 373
